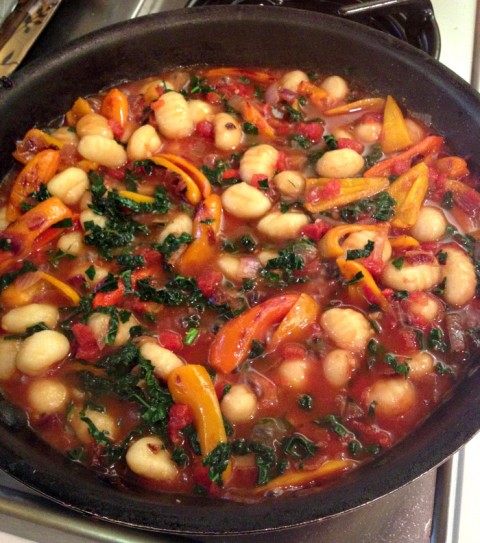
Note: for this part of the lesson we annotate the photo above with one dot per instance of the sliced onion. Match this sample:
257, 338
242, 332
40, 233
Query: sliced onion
272, 96
249, 267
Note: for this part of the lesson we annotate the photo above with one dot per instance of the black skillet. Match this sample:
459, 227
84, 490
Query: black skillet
240, 36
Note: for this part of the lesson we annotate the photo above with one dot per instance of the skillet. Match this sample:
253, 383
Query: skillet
240, 36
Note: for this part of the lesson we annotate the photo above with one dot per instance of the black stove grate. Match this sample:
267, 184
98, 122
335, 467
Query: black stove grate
410, 21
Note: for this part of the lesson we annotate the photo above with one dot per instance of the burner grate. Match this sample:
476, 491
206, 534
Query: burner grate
412, 21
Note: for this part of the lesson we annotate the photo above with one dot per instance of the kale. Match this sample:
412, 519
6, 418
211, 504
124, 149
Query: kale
217, 462
190, 434
265, 458
436, 340
447, 201
245, 243
355, 279
298, 446
300, 140
199, 85
281, 270
398, 262
179, 291
380, 207
215, 174
5, 244
374, 156
332, 422
56, 256
250, 128
401, 368
353, 254
190, 336
172, 243
131, 262
116, 316
179, 456
305, 402
331, 142
293, 114
257, 349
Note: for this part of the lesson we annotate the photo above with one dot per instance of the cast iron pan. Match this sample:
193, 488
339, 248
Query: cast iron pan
240, 36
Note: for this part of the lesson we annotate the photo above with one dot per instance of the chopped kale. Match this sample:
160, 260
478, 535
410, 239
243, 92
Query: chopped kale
380, 207
217, 462
9, 277
298, 446
172, 243
353, 254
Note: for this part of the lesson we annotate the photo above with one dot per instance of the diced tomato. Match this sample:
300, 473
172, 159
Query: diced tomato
200, 475
316, 230
293, 350
205, 129
116, 173
312, 131
257, 178
208, 282
400, 166
220, 389
170, 340
213, 98
179, 416
282, 162
87, 348
330, 190
230, 174
117, 128
348, 143
114, 297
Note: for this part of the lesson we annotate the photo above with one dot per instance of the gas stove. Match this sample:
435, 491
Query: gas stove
439, 507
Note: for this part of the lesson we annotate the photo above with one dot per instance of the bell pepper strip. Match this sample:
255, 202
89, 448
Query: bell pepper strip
330, 246
87, 165
254, 75
79, 109
370, 105
197, 175
294, 326
193, 192
136, 197
365, 287
409, 191
192, 385
26, 229
252, 115
113, 297
21, 292
403, 242
294, 479
395, 136
115, 107
40, 169
349, 190
53, 233
206, 225
234, 340
40, 139
65, 289
429, 146
453, 167
315, 94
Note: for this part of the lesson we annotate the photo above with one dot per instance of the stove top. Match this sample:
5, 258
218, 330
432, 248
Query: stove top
412, 21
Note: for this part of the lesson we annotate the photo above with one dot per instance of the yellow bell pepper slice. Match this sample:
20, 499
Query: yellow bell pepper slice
395, 136
409, 191
198, 176
296, 322
403, 242
139, 198
351, 190
330, 246
193, 193
364, 105
79, 109
293, 479
191, 385
67, 290
365, 287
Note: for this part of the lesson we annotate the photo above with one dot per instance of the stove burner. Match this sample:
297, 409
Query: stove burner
410, 21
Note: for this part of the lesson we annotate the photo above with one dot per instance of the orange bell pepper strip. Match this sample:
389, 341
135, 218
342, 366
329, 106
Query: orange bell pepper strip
295, 479
115, 107
254, 75
26, 229
197, 175
295, 324
365, 105
193, 192
41, 139
21, 292
40, 169
395, 136
252, 115
206, 226
453, 167
316, 94
192, 385
403, 242
330, 246
234, 340
350, 190
430, 145
409, 191
113, 297
365, 287
79, 109
65, 289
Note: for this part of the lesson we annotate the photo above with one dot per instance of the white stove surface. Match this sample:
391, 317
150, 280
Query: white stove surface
459, 22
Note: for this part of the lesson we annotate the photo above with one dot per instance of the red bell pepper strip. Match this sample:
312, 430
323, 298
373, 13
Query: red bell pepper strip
234, 340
